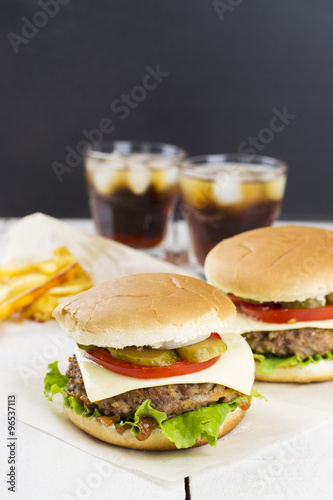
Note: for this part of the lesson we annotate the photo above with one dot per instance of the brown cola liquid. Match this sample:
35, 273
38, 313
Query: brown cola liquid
137, 220
218, 204
211, 224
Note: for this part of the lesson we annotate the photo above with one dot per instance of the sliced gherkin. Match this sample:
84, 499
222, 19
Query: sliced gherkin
88, 347
304, 304
145, 356
202, 351
329, 299
251, 301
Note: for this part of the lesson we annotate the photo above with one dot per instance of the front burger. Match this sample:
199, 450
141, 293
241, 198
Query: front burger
150, 370
281, 279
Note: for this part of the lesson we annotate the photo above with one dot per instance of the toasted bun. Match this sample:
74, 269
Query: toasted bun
145, 309
314, 372
276, 264
156, 441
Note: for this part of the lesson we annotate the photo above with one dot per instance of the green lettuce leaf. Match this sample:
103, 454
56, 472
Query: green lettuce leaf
205, 422
182, 430
147, 411
186, 428
269, 363
55, 382
256, 394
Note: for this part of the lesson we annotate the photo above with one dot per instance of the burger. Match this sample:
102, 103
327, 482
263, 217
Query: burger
281, 279
150, 370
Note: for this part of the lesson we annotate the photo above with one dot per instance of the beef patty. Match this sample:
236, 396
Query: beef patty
304, 341
173, 399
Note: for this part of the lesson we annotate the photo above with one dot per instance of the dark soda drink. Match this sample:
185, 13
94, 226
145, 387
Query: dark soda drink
132, 196
220, 200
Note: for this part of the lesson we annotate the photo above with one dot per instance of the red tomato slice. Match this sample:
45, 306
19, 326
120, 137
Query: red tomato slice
277, 314
182, 367
236, 300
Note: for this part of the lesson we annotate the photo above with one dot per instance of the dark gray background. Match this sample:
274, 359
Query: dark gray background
225, 79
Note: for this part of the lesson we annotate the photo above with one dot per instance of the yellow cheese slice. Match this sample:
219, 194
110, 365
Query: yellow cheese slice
234, 369
242, 324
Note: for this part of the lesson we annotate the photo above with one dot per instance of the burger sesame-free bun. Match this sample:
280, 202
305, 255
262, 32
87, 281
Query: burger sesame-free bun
145, 309
313, 372
285, 263
156, 441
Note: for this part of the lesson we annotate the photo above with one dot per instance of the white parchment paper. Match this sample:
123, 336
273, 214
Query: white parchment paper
26, 349
34, 237
25, 353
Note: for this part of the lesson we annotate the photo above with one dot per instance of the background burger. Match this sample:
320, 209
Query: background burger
147, 373
281, 279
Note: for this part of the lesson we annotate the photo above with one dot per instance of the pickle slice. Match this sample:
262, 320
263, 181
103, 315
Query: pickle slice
89, 347
202, 351
304, 304
329, 299
145, 356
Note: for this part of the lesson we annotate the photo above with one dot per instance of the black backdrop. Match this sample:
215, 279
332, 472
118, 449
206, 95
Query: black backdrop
232, 66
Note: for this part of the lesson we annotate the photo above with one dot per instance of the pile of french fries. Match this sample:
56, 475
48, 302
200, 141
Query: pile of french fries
33, 291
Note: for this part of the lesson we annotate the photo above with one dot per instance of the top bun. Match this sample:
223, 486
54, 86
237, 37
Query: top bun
145, 309
285, 263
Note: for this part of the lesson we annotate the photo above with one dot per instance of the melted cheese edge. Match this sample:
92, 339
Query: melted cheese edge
234, 369
242, 324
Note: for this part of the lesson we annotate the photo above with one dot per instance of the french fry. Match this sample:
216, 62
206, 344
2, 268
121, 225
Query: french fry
36, 289
18, 284
71, 287
61, 258
27, 297
42, 308
62, 252
11, 270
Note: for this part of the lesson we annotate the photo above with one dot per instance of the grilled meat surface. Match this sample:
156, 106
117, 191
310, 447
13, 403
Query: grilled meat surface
304, 341
173, 399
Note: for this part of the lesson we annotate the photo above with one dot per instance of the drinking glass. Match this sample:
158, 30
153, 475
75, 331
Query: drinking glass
132, 188
223, 195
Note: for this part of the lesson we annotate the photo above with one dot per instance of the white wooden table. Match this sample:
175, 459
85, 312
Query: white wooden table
53, 470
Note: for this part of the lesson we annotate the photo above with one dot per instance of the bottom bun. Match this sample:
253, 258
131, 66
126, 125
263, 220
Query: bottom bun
314, 372
156, 441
